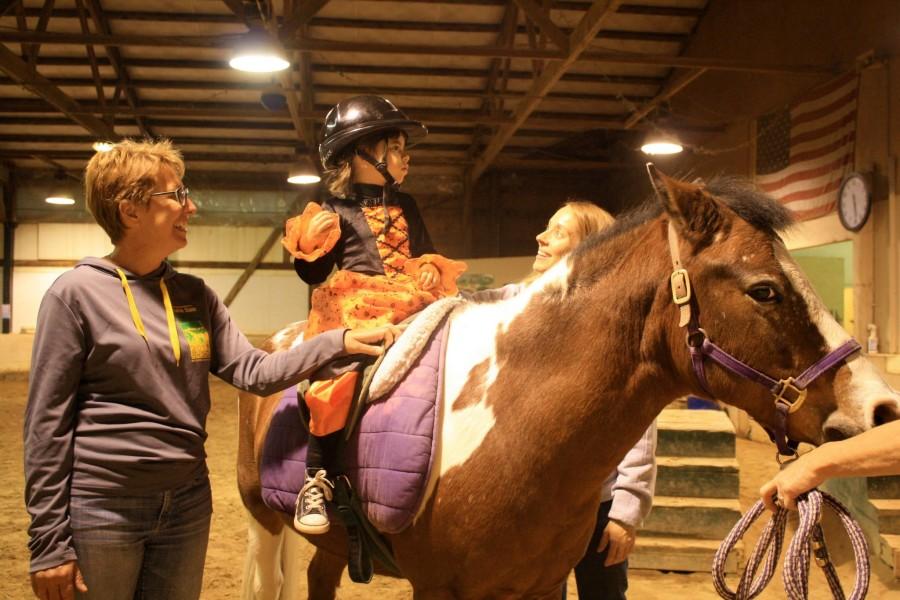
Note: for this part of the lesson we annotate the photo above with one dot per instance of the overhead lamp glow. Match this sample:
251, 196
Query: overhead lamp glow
257, 53
303, 174
660, 143
259, 62
304, 179
101, 146
60, 200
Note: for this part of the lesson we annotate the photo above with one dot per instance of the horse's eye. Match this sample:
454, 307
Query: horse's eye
764, 293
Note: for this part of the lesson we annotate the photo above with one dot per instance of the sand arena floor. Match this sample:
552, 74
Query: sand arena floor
222, 577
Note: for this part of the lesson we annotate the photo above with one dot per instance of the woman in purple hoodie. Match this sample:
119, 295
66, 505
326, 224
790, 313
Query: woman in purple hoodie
116, 479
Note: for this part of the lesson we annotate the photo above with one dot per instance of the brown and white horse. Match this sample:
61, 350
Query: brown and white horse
545, 393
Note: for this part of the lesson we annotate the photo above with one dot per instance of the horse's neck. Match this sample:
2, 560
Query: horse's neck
576, 357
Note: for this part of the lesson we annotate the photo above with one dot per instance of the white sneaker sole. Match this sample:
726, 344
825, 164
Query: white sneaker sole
311, 529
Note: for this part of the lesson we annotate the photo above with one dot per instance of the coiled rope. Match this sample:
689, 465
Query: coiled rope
809, 539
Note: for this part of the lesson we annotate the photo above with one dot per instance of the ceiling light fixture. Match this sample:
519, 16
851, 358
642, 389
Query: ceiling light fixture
302, 174
63, 199
103, 146
257, 53
660, 143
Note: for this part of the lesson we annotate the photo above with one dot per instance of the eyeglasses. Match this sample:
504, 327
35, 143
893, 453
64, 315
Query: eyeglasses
181, 195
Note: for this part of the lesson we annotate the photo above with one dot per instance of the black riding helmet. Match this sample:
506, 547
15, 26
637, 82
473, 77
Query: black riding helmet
355, 118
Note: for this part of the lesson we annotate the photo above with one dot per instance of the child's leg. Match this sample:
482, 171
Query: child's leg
329, 403
321, 452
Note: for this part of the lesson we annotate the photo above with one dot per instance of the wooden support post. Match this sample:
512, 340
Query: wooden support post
9, 232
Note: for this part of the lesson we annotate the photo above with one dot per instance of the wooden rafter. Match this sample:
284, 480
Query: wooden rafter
301, 14
43, 21
95, 69
540, 16
327, 46
5, 5
115, 58
675, 86
22, 72
581, 38
165, 108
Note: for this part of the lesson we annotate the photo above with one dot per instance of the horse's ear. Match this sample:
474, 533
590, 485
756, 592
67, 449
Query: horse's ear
695, 213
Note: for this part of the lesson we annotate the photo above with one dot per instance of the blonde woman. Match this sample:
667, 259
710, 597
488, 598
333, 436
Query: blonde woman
116, 479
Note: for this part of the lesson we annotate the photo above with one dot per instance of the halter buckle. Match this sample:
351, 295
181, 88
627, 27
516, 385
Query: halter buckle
789, 395
681, 286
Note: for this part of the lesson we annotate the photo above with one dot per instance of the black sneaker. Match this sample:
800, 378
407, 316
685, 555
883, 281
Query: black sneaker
309, 512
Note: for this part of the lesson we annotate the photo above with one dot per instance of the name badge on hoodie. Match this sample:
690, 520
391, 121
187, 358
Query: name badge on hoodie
194, 332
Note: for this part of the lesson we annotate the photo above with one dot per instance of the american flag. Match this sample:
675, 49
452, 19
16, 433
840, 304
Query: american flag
804, 151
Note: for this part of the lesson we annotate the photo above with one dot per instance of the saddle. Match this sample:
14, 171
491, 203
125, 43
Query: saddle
388, 452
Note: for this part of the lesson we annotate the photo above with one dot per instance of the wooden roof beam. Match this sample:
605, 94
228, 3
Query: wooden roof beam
303, 11
5, 5
315, 45
40, 86
115, 58
541, 17
675, 86
33, 49
580, 39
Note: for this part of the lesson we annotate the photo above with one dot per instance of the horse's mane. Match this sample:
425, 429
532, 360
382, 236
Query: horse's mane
739, 194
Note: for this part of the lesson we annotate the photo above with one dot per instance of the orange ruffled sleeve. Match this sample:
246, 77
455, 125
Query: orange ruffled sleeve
297, 237
449, 270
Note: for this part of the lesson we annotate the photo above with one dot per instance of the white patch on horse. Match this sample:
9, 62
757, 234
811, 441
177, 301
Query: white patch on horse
470, 345
865, 382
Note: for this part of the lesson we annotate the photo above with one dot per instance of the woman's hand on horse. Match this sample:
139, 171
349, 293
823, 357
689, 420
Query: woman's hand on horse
429, 277
619, 539
58, 583
799, 476
372, 341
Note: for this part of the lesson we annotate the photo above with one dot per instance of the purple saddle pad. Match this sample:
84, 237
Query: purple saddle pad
387, 460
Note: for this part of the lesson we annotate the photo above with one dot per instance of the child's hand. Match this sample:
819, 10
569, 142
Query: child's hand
429, 277
366, 341
321, 224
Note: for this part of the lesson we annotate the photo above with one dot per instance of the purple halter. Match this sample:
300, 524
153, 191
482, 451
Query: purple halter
789, 393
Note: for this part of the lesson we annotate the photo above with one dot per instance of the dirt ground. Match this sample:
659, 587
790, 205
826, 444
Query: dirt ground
222, 578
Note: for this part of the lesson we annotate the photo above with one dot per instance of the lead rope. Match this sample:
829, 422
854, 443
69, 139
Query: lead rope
809, 539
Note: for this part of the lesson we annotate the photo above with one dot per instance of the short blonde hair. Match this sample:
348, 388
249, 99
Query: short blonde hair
127, 172
339, 180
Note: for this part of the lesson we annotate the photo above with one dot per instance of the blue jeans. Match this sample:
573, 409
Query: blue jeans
145, 547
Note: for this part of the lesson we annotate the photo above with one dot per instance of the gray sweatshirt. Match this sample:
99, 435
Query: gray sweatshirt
112, 413
631, 485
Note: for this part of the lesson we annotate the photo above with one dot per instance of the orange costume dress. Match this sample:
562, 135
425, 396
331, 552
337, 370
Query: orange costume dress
379, 261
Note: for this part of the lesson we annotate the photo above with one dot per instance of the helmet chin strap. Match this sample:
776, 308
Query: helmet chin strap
390, 184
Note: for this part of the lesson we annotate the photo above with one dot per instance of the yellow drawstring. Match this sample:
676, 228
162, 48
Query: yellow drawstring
135, 315
170, 319
139, 324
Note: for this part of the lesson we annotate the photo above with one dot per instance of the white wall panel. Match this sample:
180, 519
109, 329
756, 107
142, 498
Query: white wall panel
26, 242
227, 244
72, 241
29, 286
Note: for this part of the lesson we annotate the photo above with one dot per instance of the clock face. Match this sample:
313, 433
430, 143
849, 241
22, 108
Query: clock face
854, 203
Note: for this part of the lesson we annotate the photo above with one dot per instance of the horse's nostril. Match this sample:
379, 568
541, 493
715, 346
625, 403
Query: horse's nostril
834, 434
885, 413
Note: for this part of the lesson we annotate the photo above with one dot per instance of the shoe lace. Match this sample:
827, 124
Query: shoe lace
316, 490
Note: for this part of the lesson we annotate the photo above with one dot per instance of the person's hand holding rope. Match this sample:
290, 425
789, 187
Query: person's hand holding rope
801, 475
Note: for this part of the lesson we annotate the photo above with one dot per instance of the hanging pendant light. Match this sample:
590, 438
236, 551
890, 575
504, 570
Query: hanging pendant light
303, 174
258, 53
59, 193
659, 142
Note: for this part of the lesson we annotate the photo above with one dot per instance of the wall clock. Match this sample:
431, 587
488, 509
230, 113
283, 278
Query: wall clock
854, 201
